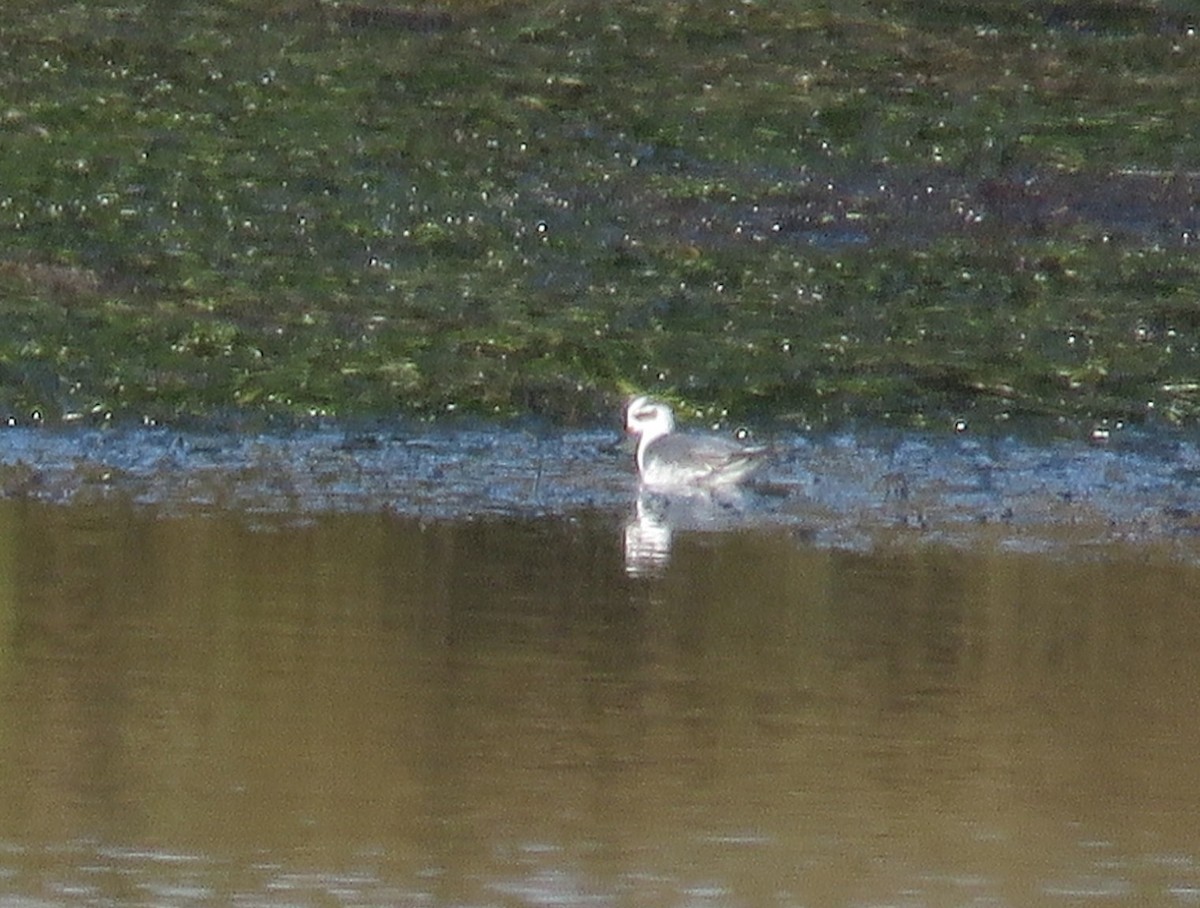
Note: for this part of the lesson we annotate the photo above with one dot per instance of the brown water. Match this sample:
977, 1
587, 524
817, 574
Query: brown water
205, 706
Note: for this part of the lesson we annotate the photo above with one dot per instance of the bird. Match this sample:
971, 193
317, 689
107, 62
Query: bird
668, 460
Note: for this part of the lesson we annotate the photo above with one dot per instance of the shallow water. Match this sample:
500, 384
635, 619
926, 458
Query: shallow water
300, 671
850, 490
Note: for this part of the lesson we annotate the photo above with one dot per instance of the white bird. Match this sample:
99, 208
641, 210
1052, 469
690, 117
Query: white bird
669, 460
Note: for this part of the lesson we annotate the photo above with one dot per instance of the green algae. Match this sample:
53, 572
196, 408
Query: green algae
819, 211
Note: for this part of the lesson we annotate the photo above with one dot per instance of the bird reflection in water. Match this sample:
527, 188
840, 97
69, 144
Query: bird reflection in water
649, 532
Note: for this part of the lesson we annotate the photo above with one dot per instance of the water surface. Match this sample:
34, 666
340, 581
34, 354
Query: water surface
294, 697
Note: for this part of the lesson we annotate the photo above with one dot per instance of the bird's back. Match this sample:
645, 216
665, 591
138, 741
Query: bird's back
706, 460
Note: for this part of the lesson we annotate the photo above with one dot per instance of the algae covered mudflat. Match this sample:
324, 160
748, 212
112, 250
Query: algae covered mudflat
908, 211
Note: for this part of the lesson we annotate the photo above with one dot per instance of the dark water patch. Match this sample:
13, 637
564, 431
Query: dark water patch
404, 18
896, 208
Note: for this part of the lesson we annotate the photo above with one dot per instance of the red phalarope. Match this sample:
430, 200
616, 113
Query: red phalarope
669, 460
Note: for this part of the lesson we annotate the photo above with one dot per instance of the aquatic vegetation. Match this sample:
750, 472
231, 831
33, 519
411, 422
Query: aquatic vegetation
915, 214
